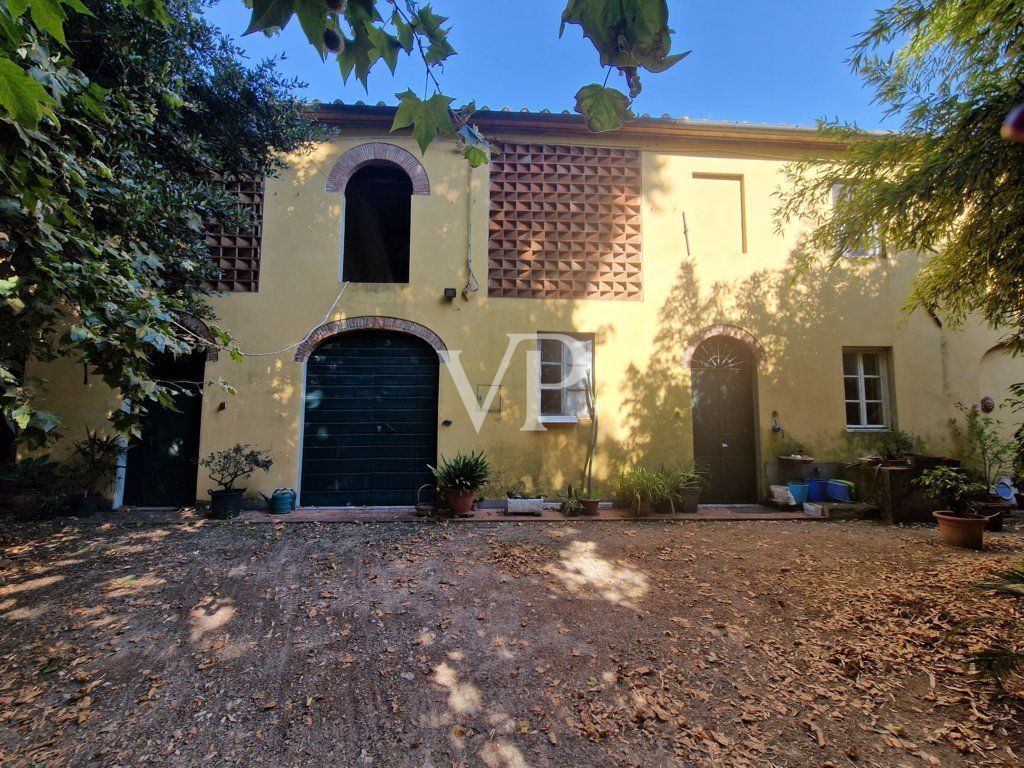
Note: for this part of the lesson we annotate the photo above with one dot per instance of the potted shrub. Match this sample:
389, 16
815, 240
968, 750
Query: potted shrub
986, 459
960, 525
92, 470
691, 480
897, 448
460, 478
226, 468
581, 501
637, 488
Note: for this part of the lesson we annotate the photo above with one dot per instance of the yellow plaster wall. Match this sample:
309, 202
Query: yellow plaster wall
642, 384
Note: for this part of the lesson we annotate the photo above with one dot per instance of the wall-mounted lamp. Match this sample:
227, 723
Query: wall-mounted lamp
450, 294
222, 407
776, 427
446, 423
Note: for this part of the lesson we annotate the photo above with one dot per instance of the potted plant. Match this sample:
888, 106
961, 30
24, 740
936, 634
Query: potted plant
581, 501
987, 457
638, 488
92, 470
690, 481
227, 467
960, 525
896, 448
460, 478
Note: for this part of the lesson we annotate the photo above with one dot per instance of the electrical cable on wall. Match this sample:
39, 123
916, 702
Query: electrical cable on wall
686, 236
472, 285
326, 317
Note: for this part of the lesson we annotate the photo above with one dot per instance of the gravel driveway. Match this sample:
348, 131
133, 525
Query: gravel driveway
167, 639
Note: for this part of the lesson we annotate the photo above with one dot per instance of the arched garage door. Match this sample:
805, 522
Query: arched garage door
370, 425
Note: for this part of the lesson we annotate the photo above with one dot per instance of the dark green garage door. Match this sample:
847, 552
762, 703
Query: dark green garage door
370, 420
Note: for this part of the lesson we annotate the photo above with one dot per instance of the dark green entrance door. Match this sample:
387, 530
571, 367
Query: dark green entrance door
724, 421
162, 465
370, 426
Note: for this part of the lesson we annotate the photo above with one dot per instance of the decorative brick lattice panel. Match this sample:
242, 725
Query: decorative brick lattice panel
565, 222
236, 253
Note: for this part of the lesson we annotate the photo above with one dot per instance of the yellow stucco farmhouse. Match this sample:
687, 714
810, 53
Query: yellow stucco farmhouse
395, 306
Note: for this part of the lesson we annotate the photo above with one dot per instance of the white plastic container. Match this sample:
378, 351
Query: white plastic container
781, 494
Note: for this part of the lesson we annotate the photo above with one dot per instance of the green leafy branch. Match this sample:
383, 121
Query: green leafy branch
630, 35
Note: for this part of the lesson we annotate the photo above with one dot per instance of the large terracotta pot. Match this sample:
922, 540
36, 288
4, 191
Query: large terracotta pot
460, 502
956, 531
589, 506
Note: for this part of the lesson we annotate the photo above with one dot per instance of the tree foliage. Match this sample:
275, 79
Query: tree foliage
107, 188
946, 184
629, 35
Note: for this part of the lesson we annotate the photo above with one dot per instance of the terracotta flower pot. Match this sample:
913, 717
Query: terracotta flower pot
956, 531
460, 502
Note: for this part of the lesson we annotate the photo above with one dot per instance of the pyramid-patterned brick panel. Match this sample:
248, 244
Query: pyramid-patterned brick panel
236, 252
565, 222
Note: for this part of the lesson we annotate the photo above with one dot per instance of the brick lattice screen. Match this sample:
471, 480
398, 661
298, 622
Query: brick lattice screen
237, 253
564, 222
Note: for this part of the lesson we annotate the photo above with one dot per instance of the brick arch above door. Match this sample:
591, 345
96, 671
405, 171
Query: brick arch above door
357, 157
732, 331
371, 322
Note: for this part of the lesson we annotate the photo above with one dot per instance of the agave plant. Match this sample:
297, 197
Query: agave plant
462, 473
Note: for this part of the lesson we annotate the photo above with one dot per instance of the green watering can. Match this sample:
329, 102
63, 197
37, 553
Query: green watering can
282, 502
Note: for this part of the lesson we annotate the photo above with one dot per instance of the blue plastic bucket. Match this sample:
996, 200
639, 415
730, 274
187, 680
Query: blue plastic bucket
818, 490
839, 491
799, 492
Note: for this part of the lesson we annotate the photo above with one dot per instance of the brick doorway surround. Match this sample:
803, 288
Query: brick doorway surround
350, 162
370, 322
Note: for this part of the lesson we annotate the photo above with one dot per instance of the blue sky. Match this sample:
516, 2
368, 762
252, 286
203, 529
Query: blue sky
761, 62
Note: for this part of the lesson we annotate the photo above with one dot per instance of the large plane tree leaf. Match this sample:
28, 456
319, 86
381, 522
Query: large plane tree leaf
604, 109
428, 118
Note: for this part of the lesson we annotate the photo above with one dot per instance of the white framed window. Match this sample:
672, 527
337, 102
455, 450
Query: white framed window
565, 370
866, 389
873, 249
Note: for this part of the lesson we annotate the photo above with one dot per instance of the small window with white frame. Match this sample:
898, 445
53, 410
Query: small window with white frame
867, 389
565, 369
873, 248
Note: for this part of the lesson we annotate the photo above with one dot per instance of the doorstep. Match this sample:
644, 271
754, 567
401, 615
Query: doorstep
408, 515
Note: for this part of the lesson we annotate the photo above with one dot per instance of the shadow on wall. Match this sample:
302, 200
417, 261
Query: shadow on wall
800, 320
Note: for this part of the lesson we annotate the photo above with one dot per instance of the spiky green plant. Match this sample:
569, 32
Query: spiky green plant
462, 473
636, 486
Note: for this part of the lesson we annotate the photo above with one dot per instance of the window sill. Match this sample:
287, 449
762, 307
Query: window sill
868, 429
561, 419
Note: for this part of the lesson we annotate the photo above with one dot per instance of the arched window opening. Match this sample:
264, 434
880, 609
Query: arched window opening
378, 204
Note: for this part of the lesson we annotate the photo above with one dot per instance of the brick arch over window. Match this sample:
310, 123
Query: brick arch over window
350, 162
368, 322
199, 329
731, 331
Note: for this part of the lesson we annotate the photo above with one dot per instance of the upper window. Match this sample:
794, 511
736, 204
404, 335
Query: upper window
564, 372
378, 204
866, 250
866, 383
